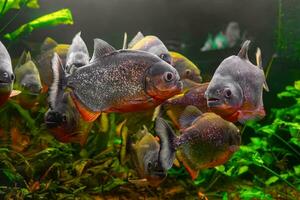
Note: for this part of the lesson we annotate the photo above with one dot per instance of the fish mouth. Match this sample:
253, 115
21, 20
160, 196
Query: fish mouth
197, 79
214, 102
4, 83
179, 85
52, 124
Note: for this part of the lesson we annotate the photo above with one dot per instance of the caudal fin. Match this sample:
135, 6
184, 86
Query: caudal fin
167, 143
259, 64
59, 80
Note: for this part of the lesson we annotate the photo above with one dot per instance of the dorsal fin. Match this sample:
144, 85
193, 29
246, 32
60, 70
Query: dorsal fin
139, 36
58, 84
21, 60
28, 57
243, 54
125, 41
48, 44
101, 48
188, 116
259, 65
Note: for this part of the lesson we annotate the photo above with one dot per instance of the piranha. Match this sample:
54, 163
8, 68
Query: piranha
78, 54
145, 154
48, 48
28, 81
187, 69
63, 119
119, 81
236, 89
151, 44
206, 140
6, 75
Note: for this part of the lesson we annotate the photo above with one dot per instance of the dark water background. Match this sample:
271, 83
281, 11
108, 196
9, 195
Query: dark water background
175, 22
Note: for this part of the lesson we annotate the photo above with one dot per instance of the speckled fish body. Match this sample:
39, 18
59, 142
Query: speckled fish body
236, 88
28, 81
187, 69
151, 44
44, 64
206, 140
6, 75
193, 96
124, 81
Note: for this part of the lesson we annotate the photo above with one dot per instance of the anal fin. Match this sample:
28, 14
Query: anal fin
87, 115
192, 172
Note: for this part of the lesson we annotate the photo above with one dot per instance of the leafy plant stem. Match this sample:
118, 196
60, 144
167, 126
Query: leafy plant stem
14, 17
3, 7
287, 144
275, 174
215, 179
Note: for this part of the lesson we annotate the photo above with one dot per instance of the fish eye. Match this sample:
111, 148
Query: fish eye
12, 77
5, 74
165, 57
188, 72
64, 118
168, 76
149, 165
228, 93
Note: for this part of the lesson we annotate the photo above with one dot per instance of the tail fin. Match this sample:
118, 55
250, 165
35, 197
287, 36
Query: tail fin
259, 64
59, 80
167, 143
243, 54
125, 41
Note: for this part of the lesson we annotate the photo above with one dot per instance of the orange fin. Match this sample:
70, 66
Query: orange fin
86, 114
192, 172
14, 93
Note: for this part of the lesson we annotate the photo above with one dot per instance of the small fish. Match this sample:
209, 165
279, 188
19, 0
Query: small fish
236, 89
78, 54
119, 81
232, 33
227, 39
6, 75
206, 140
187, 69
48, 48
151, 44
28, 81
63, 119
145, 156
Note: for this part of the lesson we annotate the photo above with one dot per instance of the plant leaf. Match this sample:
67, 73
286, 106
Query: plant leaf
63, 16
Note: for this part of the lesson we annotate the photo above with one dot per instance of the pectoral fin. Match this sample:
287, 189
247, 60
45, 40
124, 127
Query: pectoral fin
14, 93
189, 115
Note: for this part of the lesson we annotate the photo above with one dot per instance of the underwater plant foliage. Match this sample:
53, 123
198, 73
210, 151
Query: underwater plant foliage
63, 16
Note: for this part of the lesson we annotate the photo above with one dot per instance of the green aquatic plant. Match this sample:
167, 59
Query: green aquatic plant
63, 16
